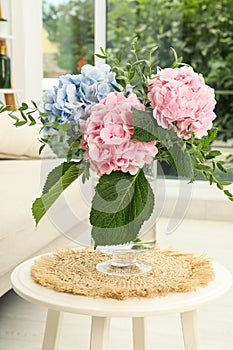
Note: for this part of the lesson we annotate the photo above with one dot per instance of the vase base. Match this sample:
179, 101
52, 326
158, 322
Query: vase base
123, 267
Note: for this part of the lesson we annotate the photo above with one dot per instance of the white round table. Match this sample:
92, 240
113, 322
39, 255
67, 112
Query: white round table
102, 310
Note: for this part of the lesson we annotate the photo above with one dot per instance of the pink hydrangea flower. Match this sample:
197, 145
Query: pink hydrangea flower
106, 136
181, 100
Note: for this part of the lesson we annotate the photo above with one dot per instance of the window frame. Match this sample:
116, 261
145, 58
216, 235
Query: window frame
26, 48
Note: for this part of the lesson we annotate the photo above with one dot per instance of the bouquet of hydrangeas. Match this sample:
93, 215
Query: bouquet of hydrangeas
115, 120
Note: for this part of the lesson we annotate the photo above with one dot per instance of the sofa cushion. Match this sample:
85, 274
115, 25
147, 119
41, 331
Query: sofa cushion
19, 142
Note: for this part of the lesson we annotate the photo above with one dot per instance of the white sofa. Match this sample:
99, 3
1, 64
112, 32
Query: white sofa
22, 173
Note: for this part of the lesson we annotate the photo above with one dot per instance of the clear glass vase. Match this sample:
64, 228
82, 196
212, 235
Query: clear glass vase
125, 259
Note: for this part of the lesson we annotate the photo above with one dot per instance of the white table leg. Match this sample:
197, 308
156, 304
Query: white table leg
139, 333
99, 333
190, 330
52, 330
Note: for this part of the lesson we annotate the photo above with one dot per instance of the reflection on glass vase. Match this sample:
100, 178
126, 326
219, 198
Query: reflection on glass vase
125, 259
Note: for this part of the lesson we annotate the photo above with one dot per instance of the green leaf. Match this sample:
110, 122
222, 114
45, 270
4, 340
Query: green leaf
41, 148
122, 202
57, 181
182, 159
212, 154
20, 123
13, 117
221, 167
219, 185
211, 179
203, 167
57, 173
116, 88
23, 107
34, 104
86, 171
23, 116
4, 108
121, 77
226, 183
33, 121
100, 56
228, 193
146, 129
139, 62
103, 50
205, 141
144, 126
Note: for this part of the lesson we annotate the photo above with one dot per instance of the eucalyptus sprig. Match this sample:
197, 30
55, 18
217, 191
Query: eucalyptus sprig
26, 114
208, 163
140, 67
30, 115
101, 137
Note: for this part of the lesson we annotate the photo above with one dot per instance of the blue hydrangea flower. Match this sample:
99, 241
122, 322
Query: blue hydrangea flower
76, 93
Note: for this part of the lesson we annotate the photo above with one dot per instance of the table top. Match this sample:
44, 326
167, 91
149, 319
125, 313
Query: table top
24, 286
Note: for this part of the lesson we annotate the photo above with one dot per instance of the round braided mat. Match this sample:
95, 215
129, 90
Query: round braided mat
74, 271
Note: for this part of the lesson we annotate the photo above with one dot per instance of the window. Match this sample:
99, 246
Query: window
68, 37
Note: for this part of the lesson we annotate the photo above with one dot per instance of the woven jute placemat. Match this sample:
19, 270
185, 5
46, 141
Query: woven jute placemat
74, 271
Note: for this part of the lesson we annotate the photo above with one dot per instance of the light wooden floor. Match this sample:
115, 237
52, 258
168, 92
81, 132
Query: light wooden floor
22, 324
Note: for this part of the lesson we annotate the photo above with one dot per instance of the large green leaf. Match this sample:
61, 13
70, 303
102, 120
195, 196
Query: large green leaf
146, 129
144, 126
57, 181
122, 202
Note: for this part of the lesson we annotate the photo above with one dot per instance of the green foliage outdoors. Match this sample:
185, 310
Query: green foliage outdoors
70, 26
201, 31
